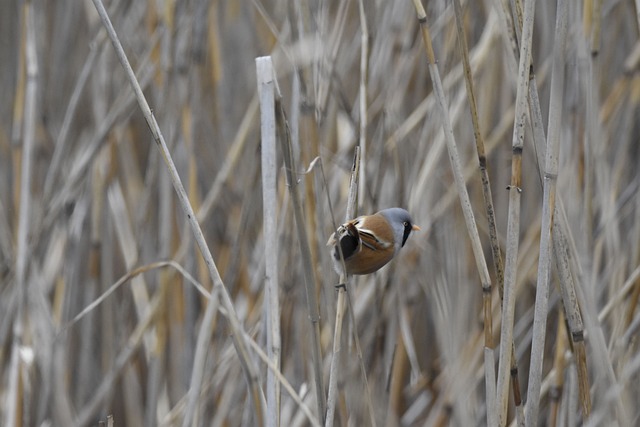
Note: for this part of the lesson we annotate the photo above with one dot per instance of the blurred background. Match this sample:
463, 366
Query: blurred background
98, 208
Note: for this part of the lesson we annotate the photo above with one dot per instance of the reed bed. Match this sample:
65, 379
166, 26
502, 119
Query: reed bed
168, 185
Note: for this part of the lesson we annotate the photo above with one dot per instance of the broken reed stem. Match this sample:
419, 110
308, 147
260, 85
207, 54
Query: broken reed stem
264, 73
249, 369
548, 208
310, 284
513, 224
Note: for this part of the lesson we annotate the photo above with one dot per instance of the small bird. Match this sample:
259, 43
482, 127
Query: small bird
369, 242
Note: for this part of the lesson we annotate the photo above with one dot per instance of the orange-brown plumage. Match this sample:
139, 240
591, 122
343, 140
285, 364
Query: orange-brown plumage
370, 242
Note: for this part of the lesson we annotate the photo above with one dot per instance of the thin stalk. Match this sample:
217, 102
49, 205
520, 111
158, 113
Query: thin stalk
364, 70
206, 327
548, 208
352, 204
129, 276
264, 71
335, 351
362, 144
18, 387
363, 371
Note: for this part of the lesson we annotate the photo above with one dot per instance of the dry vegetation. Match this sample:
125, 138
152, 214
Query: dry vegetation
108, 308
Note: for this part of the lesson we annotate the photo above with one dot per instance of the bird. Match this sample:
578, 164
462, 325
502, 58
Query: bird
369, 242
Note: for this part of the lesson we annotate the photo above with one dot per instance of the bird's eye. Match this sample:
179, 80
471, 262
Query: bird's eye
406, 224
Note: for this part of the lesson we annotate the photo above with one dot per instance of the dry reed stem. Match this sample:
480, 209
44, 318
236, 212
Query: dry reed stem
364, 71
266, 91
548, 208
363, 372
332, 391
513, 224
18, 395
341, 288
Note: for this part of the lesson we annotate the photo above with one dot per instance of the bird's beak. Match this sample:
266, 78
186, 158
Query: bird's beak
416, 228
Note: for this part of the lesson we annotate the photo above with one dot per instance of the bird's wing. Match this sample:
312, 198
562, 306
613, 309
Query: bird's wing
370, 239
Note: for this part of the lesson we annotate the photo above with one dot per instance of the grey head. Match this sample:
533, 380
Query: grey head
402, 225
